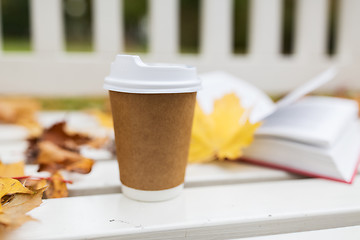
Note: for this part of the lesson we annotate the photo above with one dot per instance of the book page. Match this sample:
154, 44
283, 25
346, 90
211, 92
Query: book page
307, 88
217, 84
312, 120
337, 162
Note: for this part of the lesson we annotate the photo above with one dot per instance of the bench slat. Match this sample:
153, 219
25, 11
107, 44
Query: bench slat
104, 177
348, 233
230, 211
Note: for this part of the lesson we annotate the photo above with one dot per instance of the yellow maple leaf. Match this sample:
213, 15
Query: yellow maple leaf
11, 186
222, 134
12, 169
15, 207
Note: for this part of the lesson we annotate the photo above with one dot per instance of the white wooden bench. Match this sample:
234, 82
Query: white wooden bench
212, 212
221, 200
224, 200
50, 70
349, 233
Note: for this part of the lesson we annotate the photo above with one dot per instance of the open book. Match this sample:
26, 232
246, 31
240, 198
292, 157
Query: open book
313, 136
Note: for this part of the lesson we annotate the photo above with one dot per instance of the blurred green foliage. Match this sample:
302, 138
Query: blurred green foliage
133, 10
78, 25
73, 103
78, 31
189, 26
241, 26
15, 18
332, 26
288, 26
15, 44
135, 23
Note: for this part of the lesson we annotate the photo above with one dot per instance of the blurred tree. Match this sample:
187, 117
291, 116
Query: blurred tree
241, 23
15, 18
189, 26
332, 26
136, 25
78, 25
288, 26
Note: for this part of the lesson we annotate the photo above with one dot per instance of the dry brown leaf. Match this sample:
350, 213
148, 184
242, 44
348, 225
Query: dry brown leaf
10, 186
53, 158
20, 111
15, 208
105, 143
56, 187
32, 150
11, 109
67, 141
83, 166
98, 142
58, 135
35, 184
7, 112
12, 169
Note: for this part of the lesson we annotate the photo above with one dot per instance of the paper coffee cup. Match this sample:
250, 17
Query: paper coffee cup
153, 107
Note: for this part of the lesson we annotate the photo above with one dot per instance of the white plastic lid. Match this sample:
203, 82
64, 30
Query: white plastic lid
129, 74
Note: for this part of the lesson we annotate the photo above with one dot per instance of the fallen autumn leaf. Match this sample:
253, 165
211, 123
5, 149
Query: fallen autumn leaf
223, 133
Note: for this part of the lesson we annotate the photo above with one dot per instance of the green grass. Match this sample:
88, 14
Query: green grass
135, 48
75, 103
17, 45
189, 50
73, 46
24, 45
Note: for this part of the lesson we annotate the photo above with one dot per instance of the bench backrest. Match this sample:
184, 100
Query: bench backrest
49, 70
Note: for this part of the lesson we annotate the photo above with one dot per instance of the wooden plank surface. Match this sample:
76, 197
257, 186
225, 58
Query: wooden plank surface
107, 27
348, 233
221, 200
104, 177
77, 121
216, 31
164, 18
47, 27
311, 30
230, 211
265, 30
